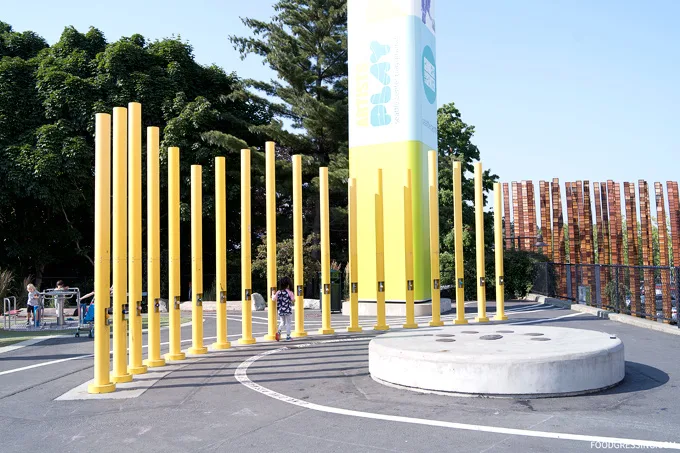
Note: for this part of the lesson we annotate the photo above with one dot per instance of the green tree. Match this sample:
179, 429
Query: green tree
48, 99
305, 43
455, 144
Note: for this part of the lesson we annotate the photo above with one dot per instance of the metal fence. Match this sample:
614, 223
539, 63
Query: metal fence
650, 292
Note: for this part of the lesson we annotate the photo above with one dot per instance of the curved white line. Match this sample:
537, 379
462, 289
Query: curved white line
241, 375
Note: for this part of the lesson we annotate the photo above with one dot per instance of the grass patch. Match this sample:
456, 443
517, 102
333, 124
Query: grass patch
10, 337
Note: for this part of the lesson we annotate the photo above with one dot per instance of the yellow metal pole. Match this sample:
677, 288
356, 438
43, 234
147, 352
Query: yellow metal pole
135, 365
498, 245
408, 244
458, 243
380, 323
246, 288
102, 252
153, 248
353, 271
325, 255
270, 162
120, 309
221, 252
479, 223
197, 261
434, 240
297, 246
175, 349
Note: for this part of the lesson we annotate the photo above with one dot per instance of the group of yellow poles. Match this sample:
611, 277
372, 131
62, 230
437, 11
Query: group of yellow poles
126, 292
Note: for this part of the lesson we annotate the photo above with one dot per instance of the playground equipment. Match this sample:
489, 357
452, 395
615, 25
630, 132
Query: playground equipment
126, 257
59, 297
9, 311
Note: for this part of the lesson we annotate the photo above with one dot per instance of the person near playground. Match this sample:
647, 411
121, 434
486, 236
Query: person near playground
32, 302
284, 305
88, 295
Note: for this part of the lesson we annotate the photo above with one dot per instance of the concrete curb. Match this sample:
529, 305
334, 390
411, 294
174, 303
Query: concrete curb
605, 314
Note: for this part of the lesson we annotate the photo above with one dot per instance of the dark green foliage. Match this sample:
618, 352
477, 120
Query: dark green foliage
520, 270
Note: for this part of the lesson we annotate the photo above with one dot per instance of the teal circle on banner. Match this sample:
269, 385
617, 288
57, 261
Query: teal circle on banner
429, 75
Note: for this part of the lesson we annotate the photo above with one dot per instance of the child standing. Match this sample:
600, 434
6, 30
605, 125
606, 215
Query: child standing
284, 306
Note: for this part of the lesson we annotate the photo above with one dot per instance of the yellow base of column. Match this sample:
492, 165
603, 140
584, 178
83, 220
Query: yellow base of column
197, 351
299, 334
246, 341
153, 363
436, 324
326, 331
174, 357
410, 326
500, 318
484, 319
101, 388
379, 327
460, 321
121, 379
354, 329
137, 369
219, 346
270, 337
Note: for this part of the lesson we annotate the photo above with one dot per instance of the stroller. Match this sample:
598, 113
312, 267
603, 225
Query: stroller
86, 320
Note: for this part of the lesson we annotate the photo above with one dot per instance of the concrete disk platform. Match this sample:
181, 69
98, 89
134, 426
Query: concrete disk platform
498, 360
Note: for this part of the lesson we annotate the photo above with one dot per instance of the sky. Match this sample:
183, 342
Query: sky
569, 89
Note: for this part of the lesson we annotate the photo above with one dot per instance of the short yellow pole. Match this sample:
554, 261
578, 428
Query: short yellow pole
153, 248
353, 268
408, 247
479, 223
297, 247
221, 253
102, 252
380, 322
270, 163
175, 349
246, 288
498, 245
135, 365
434, 239
120, 310
197, 261
458, 243
325, 255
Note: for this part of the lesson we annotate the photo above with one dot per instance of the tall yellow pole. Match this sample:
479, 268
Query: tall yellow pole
102, 252
135, 234
175, 348
270, 162
197, 261
380, 323
325, 255
408, 247
246, 231
120, 309
153, 248
498, 245
458, 243
221, 252
297, 248
479, 223
434, 239
353, 271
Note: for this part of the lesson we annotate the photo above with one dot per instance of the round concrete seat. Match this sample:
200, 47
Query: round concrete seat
498, 360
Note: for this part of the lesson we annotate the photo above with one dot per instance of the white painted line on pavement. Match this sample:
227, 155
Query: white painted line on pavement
241, 375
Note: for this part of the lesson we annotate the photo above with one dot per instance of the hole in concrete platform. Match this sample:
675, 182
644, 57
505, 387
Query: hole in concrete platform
491, 337
469, 331
445, 335
446, 340
540, 339
533, 334
444, 350
505, 331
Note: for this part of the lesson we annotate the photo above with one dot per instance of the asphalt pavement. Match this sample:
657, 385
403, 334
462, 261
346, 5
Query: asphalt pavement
315, 394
